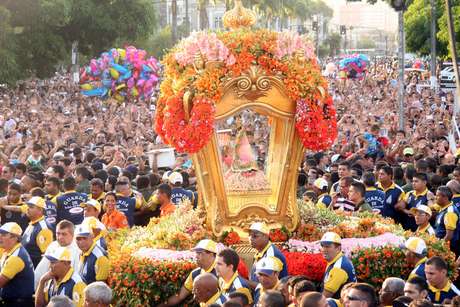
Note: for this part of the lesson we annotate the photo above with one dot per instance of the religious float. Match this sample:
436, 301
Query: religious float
246, 104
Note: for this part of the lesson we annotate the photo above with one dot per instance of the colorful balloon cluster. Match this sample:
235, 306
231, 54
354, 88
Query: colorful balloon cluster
121, 74
354, 66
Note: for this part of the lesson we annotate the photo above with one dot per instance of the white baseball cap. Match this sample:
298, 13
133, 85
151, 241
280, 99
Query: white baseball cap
175, 178
416, 245
321, 183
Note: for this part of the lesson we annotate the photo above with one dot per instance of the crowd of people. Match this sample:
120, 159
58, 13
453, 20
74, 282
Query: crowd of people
74, 168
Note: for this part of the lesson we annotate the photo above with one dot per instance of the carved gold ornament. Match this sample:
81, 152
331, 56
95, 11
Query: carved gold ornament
239, 17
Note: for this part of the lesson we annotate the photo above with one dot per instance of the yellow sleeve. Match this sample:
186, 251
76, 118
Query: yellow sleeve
320, 204
44, 239
139, 202
102, 268
189, 282
246, 292
404, 197
450, 220
13, 266
24, 209
77, 295
337, 277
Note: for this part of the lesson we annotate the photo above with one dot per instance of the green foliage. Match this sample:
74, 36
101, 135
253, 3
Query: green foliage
49, 27
366, 43
443, 33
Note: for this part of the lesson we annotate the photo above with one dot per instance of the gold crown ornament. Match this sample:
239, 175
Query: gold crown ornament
239, 17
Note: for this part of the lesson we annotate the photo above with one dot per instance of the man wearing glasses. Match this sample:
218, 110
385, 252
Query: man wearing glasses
260, 240
339, 270
361, 295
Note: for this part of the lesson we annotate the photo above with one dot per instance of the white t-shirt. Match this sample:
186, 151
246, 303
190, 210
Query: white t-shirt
44, 264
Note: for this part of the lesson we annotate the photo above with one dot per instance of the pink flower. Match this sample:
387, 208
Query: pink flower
207, 44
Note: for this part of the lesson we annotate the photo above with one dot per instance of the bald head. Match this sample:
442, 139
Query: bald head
454, 186
205, 286
394, 284
392, 288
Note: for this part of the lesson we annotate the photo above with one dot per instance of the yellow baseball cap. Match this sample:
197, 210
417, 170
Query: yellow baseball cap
93, 223
206, 245
422, 208
60, 253
268, 265
416, 245
37, 202
93, 203
331, 237
260, 227
12, 228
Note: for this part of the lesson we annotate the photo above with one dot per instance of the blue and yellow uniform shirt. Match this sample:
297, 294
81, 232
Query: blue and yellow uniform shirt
236, 284
428, 229
178, 194
51, 209
393, 195
324, 200
269, 251
331, 302
94, 265
259, 291
339, 271
195, 273
456, 200
17, 266
71, 286
437, 296
217, 298
36, 238
127, 205
68, 207
447, 219
414, 199
375, 198
419, 269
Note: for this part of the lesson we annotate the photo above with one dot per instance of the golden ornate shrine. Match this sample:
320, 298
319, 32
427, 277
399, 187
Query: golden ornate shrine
211, 79
265, 95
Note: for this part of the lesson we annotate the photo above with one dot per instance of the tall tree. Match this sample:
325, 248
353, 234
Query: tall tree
49, 27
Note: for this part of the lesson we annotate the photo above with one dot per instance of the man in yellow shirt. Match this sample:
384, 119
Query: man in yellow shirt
422, 216
17, 271
339, 270
38, 235
94, 263
267, 270
446, 225
416, 251
205, 252
60, 280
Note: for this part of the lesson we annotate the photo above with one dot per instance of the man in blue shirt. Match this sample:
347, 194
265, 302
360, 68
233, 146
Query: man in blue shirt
373, 196
259, 237
178, 193
17, 270
394, 195
68, 204
440, 288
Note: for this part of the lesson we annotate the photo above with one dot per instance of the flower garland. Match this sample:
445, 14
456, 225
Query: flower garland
192, 135
199, 65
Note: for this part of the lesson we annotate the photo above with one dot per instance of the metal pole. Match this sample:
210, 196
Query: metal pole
453, 50
433, 44
401, 69
187, 19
